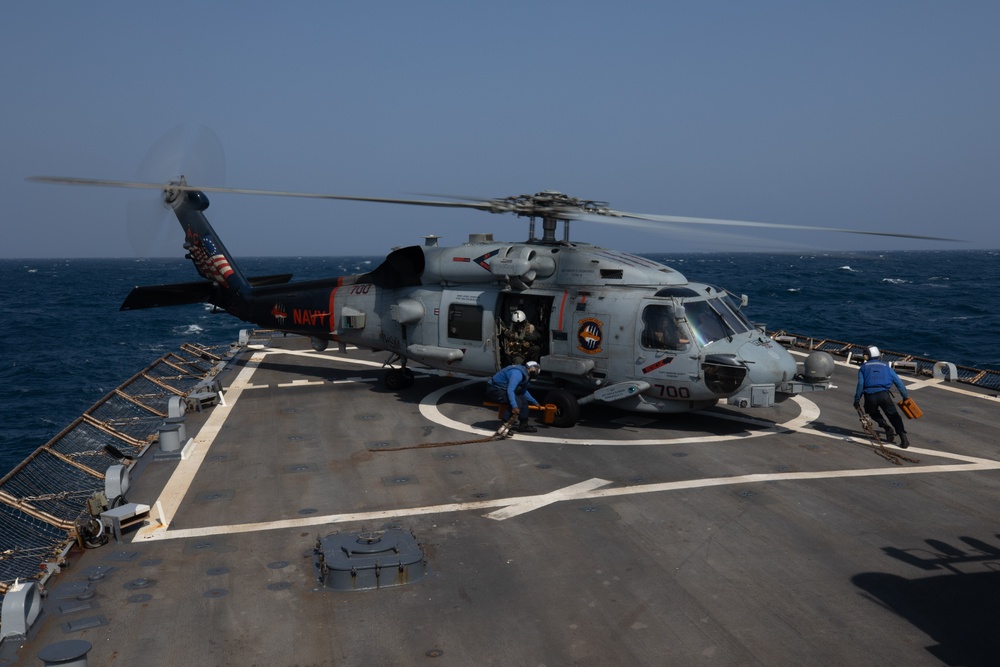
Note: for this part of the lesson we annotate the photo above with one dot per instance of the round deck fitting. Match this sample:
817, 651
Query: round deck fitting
369, 559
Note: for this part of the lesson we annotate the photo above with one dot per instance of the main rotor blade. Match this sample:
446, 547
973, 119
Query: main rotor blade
624, 217
66, 180
545, 204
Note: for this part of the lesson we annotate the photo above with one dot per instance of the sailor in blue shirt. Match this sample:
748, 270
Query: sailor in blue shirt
875, 379
510, 387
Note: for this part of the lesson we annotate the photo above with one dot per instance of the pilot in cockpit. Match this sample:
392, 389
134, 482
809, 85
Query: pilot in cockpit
661, 331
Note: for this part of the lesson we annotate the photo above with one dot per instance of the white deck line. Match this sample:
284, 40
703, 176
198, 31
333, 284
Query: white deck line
179, 483
535, 502
522, 504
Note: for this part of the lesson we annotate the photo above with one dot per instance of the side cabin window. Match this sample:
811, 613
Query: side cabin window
465, 322
660, 330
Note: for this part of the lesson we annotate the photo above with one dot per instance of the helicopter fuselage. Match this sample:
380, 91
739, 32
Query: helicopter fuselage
603, 317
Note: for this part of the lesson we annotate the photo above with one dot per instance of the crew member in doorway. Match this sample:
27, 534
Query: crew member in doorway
875, 379
510, 387
520, 340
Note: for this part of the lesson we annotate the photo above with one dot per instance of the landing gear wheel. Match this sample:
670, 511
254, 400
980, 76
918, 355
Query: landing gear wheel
567, 408
398, 378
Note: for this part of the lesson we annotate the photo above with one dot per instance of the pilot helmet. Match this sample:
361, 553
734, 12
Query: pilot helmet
518, 317
533, 368
872, 352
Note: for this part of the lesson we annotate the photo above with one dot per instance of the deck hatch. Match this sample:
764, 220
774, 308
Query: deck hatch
88, 623
369, 560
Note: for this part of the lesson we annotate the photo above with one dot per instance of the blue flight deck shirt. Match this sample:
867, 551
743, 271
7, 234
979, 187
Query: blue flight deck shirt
874, 376
510, 379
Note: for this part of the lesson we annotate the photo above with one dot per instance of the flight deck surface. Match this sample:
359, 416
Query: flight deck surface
728, 537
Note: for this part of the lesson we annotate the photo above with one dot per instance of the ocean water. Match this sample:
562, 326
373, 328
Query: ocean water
66, 344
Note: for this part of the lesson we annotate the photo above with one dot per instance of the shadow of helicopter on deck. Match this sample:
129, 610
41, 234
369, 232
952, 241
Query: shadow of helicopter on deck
957, 608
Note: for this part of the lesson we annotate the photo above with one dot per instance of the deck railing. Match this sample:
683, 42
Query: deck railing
43, 498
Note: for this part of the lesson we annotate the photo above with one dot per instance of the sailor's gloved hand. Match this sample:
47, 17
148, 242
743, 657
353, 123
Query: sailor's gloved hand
857, 405
516, 411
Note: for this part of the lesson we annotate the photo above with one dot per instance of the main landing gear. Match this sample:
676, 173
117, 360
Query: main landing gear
567, 407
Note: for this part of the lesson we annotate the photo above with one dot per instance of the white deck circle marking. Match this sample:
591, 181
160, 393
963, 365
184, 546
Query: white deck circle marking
809, 411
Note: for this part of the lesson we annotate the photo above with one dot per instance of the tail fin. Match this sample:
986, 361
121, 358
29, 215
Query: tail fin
231, 291
225, 286
204, 247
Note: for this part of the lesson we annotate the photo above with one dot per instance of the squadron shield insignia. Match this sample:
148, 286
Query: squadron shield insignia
589, 335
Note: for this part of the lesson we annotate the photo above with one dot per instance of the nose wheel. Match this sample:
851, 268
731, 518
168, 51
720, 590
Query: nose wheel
398, 378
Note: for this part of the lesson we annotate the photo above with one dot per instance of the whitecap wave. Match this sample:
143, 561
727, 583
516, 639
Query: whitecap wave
188, 330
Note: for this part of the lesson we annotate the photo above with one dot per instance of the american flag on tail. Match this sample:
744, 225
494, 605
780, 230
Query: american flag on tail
211, 263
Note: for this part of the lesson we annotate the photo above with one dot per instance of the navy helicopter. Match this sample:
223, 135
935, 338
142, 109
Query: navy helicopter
612, 327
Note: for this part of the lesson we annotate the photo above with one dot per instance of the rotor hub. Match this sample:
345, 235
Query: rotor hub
548, 204
551, 206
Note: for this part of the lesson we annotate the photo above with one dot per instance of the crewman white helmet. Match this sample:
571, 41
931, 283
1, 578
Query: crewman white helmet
533, 367
518, 317
873, 352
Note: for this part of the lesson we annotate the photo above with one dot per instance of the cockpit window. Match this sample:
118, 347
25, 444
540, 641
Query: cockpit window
660, 330
734, 306
706, 324
714, 319
734, 321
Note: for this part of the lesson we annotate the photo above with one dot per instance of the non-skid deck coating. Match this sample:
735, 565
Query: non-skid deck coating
772, 537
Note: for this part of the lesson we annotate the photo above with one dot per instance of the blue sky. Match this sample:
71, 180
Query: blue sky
866, 115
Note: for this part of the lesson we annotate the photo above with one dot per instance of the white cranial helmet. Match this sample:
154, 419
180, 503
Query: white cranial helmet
533, 367
873, 352
518, 317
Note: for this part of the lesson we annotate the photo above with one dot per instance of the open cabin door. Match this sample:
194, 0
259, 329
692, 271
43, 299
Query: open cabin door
531, 343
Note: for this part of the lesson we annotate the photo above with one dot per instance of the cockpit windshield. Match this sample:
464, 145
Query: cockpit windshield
735, 308
713, 320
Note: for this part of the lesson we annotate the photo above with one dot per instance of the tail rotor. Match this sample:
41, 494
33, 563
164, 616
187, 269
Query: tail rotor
192, 152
